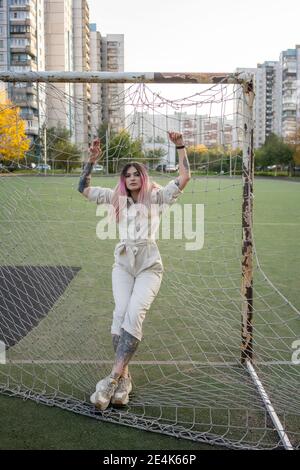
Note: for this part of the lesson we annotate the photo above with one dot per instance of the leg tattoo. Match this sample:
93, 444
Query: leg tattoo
126, 348
115, 340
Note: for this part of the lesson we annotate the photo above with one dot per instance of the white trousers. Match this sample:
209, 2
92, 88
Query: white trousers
136, 279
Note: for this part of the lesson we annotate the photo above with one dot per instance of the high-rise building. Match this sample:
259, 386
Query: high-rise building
112, 60
290, 68
59, 57
96, 88
267, 101
22, 50
277, 98
211, 131
82, 91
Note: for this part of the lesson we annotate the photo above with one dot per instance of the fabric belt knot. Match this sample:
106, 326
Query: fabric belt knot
131, 248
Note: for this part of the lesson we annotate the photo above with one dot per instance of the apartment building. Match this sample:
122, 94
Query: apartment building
82, 91
112, 60
59, 57
277, 98
211, 131
96, 88
22, 49
267, 101
290, 68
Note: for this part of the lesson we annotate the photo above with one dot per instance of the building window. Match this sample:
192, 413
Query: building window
19, 15
1, 4
1, 44
1, 57
20, 29
20, 57
20, 2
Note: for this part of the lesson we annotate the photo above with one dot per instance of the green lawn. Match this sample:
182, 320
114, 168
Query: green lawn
193, 325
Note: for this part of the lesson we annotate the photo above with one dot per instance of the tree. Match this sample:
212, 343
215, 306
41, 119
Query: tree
123, 148
294, 143
13, 140
197, 154
157, 140
153, 156
60, 150
274, 152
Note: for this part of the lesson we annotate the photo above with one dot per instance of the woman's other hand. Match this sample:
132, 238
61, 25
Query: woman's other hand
95, 151
176, 138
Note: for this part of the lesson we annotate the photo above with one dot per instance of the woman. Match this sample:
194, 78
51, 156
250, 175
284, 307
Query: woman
137, 271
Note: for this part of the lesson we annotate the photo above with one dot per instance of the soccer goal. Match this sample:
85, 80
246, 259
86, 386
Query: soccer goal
216, 361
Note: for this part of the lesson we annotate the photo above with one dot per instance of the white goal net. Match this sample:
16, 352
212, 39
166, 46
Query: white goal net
56, 298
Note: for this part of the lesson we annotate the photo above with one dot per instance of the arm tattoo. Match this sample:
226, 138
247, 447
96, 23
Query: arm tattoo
126, 348
85, 177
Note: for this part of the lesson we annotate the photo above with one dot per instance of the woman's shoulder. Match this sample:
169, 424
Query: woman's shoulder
155, 190
167, 194
100, 195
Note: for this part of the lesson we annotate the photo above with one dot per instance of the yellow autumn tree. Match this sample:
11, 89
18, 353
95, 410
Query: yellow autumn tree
200, 148
13, 140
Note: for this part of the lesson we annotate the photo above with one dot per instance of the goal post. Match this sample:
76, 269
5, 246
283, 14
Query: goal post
208, 350
247, 224
246, 82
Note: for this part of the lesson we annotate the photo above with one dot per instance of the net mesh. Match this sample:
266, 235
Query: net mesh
56, 296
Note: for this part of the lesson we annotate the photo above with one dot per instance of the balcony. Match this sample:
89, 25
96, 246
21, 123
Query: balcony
31, 129
20, 21
23, 103
23, 63
25, 7
30, 50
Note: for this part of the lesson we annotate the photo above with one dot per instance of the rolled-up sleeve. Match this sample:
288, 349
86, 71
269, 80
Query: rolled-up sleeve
169, 193
100, 195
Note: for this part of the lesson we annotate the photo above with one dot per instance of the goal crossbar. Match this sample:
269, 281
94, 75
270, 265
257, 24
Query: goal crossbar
125, 77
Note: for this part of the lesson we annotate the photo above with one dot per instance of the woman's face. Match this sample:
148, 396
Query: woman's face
133, 179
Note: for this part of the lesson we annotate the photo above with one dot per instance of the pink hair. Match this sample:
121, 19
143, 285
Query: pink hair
144, 196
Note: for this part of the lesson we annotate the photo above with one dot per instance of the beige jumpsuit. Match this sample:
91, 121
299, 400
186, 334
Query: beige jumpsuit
138, 268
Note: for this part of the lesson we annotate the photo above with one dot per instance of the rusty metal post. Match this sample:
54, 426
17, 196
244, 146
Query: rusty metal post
122, 77
247, 234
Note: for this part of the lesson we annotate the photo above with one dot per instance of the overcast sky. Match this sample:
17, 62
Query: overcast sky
198, 36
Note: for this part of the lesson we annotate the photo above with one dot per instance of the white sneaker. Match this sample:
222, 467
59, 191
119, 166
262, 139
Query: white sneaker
121, 394
104, 391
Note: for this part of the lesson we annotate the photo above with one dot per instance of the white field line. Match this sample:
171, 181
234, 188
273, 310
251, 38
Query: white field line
173, 363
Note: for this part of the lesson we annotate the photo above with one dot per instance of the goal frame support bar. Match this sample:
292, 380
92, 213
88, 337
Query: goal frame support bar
267, 402
123, 77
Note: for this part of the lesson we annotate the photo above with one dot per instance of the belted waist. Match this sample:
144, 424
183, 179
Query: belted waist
132, 247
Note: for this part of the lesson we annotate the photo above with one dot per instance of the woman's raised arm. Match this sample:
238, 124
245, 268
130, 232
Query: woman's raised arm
184, 166
85, 177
